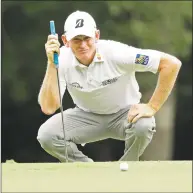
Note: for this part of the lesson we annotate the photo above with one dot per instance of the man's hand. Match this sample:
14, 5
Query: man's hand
52, 45
140, 110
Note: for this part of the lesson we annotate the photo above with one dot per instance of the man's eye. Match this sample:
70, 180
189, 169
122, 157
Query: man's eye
77, 40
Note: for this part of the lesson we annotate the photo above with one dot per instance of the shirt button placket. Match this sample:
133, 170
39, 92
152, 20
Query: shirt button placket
88, 76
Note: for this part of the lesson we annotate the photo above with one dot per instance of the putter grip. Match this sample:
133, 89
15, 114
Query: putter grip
52, 30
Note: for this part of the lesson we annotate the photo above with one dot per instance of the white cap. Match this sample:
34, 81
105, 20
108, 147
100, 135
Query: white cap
79, 23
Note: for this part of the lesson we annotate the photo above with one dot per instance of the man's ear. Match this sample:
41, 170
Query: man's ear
64, 40
97, 34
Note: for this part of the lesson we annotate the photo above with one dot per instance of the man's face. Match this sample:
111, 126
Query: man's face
83, 48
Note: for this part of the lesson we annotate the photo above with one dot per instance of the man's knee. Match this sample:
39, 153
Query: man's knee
44, 137
144, 126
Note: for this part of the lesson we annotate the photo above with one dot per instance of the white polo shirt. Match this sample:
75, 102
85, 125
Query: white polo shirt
108, 84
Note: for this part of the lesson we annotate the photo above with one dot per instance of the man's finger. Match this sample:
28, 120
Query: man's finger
136, 118
53, 47
134, 107
53, 37
141, 115
131, 116
53, 42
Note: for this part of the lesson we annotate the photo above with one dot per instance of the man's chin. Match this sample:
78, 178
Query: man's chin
84, 56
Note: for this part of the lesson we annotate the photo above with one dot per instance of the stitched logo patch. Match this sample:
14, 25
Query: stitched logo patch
109, 81
76, 85
141, 59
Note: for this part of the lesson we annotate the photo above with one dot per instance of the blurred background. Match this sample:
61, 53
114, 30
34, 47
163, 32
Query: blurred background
164, 26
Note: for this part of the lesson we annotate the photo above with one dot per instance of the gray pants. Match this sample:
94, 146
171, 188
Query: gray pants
84, 127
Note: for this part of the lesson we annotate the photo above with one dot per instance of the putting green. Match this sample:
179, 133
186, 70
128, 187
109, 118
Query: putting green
144, 176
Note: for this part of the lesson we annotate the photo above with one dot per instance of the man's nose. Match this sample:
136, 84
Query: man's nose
83, 43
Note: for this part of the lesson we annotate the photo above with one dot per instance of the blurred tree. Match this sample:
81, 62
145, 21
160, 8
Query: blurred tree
153, 24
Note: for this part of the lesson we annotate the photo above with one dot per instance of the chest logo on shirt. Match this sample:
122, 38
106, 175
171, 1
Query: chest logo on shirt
141, 59
98, 56
109, 81
76, 85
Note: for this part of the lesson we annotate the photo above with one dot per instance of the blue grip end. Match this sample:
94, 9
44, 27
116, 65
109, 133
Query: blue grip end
56, 59
53, 31
52, 27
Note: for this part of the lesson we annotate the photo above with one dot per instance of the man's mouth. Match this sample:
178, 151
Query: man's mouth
82, 51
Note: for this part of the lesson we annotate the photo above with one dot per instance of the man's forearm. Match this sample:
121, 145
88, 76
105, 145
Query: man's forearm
49, 96
165, 84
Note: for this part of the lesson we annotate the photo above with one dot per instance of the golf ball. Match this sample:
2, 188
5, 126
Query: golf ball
123, 166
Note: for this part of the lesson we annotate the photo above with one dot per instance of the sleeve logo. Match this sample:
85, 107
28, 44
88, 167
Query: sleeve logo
141, 59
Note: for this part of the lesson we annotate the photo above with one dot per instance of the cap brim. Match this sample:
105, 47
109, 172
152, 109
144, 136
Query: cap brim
80, 31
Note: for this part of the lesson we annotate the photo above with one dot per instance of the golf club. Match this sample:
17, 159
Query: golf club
52, 29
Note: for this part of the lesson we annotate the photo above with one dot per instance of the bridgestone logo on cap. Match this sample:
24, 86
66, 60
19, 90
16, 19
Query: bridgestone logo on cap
79, 23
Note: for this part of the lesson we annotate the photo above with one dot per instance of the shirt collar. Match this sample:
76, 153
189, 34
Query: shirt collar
98, 57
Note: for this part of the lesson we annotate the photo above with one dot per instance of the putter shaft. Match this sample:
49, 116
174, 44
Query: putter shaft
61, 109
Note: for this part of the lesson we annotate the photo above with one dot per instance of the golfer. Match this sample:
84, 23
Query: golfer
100, 77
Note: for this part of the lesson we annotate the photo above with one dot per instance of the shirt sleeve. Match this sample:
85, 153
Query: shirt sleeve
129, 58
145, 60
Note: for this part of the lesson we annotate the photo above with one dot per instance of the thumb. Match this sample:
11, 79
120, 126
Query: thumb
136, 118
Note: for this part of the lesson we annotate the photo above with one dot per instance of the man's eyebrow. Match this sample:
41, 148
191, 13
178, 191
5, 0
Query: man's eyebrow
81, 37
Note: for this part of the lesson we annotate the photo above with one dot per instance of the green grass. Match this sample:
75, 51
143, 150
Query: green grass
144, 176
